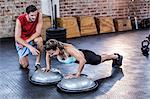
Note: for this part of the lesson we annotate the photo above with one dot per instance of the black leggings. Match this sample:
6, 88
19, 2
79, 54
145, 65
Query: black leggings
91, 57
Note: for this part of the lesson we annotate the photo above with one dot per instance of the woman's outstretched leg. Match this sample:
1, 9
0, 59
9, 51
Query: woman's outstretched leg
117, 59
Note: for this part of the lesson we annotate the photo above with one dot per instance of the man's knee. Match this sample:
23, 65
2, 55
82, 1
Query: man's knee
38, 40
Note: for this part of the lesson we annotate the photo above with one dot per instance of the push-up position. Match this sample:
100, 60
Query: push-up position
67, 53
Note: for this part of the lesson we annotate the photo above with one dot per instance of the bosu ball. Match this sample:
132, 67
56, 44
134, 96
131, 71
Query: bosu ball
76, 85
40, 77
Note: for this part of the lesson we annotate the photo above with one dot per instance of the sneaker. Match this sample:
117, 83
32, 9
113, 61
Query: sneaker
37, 66
117, 62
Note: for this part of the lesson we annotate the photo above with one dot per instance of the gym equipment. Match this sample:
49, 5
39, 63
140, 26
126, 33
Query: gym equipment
105, 25
76, 85
148, 37
71, 25
132, 14
145, 48
145, 23
58, 34
40, 77
123, 24
54, 32
46, 24
87, 25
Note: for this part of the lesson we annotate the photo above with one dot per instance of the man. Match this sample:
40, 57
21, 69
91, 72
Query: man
28, 32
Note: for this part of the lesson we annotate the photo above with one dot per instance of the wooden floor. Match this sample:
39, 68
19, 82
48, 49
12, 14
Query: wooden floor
131, 82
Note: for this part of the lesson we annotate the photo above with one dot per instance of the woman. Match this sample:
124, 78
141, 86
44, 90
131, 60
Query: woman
67, 53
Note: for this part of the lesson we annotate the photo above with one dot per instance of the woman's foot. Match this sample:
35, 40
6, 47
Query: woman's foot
117, 62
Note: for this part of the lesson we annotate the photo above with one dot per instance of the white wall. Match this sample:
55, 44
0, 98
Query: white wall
47, 9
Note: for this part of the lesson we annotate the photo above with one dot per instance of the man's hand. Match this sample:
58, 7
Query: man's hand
33, 50
27, 40
20, 45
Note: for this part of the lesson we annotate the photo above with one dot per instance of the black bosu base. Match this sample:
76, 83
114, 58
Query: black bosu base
56, 33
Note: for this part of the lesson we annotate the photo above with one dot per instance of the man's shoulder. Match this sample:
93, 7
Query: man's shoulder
21, 15
22, 18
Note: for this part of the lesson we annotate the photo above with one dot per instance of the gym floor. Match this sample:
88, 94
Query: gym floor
130, 82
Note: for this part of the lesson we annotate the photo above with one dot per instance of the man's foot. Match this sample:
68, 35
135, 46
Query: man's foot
37, 66
117, 62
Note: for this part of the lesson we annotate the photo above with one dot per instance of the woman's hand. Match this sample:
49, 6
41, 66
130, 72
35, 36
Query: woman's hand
45, 69
77, 74
69, 76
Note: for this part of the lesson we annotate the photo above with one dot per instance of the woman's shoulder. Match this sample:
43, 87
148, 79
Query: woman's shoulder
67, 45
71, 49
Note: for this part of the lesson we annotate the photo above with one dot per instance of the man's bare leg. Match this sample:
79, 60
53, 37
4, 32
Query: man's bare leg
39, 42
24, 62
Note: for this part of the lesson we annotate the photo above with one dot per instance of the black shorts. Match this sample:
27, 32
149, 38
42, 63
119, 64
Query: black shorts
91, 57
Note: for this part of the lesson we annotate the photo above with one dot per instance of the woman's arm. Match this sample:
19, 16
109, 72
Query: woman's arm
48, 62
81, 66
79, 56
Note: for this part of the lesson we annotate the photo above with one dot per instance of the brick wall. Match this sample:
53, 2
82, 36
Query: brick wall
143, 8
113, 8
9, 10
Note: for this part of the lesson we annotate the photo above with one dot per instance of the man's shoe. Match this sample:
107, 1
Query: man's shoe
37, 66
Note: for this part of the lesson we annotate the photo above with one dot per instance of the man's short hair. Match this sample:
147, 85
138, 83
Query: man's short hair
30, 8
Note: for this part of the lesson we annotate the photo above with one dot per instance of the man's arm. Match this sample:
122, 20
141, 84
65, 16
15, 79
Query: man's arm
21, 41
38, 28
18, 34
